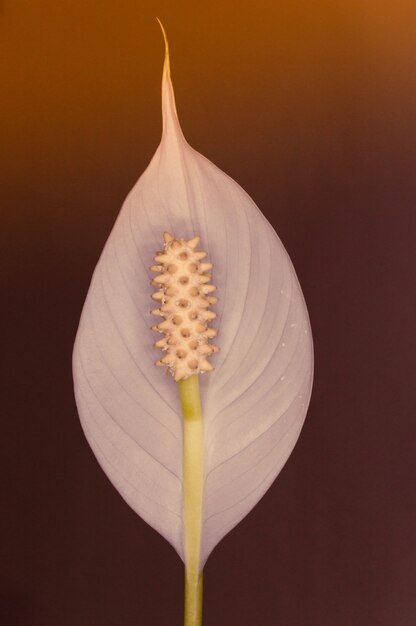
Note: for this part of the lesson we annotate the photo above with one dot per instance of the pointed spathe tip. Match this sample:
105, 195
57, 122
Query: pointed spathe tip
167, 63
169, 114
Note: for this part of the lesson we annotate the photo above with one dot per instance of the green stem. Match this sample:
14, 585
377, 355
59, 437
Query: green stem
193, 476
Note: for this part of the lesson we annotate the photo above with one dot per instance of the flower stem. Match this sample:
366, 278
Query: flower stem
193, 477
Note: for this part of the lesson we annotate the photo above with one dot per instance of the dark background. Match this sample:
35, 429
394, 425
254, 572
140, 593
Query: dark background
310, 106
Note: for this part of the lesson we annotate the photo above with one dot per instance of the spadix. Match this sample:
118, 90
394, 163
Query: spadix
182, 292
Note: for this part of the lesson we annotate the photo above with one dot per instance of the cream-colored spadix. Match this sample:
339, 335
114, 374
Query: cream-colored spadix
182, 290
255, 400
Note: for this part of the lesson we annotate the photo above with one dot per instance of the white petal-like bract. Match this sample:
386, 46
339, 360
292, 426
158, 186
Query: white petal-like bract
255, 401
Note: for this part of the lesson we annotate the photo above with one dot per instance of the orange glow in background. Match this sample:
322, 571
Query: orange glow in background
290, 80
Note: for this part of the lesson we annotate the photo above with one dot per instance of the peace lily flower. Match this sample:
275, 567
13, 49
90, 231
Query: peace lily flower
192, 457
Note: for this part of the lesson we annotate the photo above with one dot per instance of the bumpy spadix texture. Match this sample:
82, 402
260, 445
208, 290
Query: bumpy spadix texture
255, 401
182, 294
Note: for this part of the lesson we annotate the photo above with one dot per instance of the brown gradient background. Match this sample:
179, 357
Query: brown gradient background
310, 106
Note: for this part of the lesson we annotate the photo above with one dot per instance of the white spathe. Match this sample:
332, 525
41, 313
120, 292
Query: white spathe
255, 401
